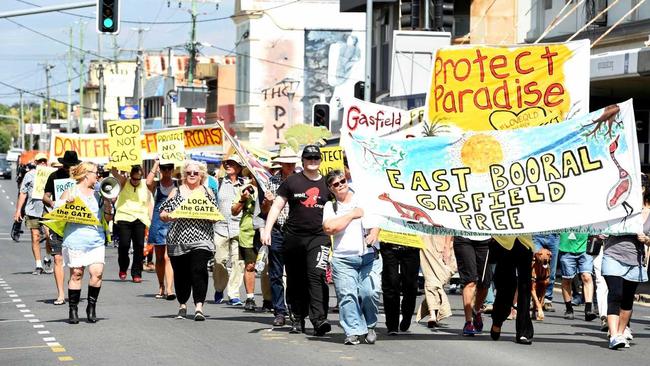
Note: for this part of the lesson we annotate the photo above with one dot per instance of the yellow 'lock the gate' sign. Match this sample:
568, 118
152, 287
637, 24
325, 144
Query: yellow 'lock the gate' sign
75, 212
197, 206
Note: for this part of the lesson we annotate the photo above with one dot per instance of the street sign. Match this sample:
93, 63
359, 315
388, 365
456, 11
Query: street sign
129, 112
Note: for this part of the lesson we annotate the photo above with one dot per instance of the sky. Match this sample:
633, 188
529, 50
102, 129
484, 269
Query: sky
23, 52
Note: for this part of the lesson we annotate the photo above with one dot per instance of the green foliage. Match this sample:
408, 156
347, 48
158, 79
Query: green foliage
5, 141
302, 134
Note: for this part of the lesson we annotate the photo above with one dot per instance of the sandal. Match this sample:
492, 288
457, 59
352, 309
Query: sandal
171, 297
59, 302
160, 296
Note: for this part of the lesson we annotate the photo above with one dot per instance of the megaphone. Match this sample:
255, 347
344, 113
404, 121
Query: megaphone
109, 188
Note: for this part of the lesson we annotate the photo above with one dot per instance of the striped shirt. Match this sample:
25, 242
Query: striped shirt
228, 192
274, 183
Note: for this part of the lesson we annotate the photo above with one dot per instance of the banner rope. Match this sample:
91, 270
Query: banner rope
617, 23
592, 20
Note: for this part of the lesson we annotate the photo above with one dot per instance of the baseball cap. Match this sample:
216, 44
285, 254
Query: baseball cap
311, 151
40, 156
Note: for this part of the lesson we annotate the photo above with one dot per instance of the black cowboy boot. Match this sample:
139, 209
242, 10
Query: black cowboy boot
73, 301
93, 293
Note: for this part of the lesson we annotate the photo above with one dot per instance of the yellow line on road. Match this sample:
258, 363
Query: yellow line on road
65, 358
15, 348
58, 349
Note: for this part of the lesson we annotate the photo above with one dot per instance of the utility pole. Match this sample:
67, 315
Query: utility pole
21, 122
140, 73
192, 49
101, 98
169, 86
48, 106
31, 125
69, 106
40, 125
368, 78
82, 79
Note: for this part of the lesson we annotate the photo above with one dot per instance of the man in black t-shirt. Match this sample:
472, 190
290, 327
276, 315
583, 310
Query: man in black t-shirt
306, 247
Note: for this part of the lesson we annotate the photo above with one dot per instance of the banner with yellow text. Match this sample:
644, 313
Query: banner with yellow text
76, 212
171, 149
94, 147
197, 206
582, 174
479, 88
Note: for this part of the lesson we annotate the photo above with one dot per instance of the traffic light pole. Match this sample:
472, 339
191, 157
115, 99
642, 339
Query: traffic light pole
368, 78
190, 74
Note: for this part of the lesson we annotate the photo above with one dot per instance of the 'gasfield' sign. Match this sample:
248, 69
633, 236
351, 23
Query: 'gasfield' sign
76, 212
197, 206
505, 87
584, 174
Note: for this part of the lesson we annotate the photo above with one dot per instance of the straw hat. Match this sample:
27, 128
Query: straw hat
235, 157
287, 155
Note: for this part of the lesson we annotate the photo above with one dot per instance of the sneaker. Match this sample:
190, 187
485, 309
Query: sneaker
604, 327
548, 307
38, 271
352, 340
487, 308
469, 330
218, 297
235, 302
279, 321
478, 323
392, 332
47, 264
590, 315
371, 337
137, 279
616, 342
297, 326
267, 306
322, 328
182, 313
568, 315
627, 333
405, 324
122, 276
198, 316
524, 340
249, 305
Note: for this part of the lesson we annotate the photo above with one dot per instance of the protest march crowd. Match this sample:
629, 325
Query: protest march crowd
302, 229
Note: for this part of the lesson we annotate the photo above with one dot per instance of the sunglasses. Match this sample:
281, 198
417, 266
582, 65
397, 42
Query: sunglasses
338, 183
166, 168
192, 174
312, 158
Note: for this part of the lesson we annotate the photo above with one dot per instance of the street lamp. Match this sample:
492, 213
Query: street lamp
290, 87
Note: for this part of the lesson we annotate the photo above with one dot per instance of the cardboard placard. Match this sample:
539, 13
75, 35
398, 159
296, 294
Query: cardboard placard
124, 141
76, 212
332, 159
42, 173
197, 206
171, 149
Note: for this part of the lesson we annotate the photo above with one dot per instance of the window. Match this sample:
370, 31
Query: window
548, 4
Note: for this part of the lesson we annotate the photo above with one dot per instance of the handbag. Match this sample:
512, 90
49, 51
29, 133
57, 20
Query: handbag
594, 244
16, 230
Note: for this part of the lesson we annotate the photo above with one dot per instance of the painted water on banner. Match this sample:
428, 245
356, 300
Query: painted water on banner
480, 88
583, 173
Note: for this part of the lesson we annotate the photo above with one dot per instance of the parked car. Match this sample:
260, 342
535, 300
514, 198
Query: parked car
5, 169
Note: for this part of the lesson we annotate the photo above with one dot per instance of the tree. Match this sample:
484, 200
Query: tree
5, 141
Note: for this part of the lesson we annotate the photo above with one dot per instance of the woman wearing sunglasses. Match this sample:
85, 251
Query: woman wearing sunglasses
356, 264
190, 242
132, 215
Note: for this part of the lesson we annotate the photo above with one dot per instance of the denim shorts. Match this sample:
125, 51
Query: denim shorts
573, 263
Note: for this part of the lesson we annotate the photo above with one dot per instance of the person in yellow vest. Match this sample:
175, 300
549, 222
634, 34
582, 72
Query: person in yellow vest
132, 215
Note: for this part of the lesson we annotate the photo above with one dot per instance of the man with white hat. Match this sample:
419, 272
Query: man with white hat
33, 213
287, 160
227, 236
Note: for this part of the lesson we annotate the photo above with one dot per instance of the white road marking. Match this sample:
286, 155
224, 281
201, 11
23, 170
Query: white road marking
17, 300
12, 320
43, 332
11, 291
8, 197
34, 320
13, 295
53, 344
39, 326
25, 311
49, 339
29, 315
20, 305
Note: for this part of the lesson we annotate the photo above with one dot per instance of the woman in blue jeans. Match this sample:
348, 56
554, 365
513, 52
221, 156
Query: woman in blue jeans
356, 265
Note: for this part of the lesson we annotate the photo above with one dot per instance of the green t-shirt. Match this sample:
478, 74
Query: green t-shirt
246, 230
573, 242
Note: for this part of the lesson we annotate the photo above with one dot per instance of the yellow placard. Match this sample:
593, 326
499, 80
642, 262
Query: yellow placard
42, 173
76, 212
171, 149
124, 141
332, 159
409, 240
197, 206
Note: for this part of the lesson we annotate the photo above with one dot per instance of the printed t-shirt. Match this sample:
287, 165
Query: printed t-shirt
306, 199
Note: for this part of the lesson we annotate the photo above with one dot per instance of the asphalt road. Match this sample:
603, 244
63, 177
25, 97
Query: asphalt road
136, 329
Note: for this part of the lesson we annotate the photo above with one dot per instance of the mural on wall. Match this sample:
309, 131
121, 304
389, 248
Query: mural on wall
333, 64
280, 63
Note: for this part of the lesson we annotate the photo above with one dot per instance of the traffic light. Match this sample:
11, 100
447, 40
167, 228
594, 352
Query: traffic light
108, 16
359, 89
410, 18
321, 115
447, 15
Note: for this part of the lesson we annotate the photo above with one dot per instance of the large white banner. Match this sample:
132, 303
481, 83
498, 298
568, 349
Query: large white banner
583, 174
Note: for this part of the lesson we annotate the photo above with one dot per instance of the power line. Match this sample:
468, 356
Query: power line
43, 96
134, 21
